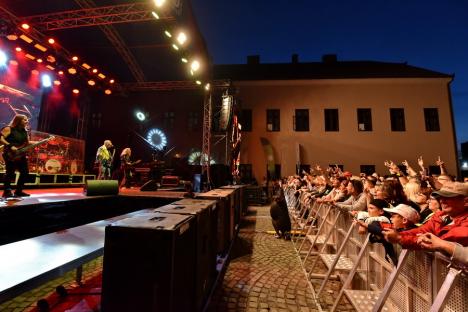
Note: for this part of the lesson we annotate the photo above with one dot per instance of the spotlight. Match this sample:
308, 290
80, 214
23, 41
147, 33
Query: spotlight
207, 87
60, 72
181, 38
159, 3
198, 82
195, 65
46, 81
3, 58
39, 60
156, 138
184, 60
51, 59
156, 16
140, 116
175, 46
25, 26
18, 49
57, 82
76, 91
12, 37
72, 70
95, 71
13, 62
34, 72
75, 58
108, 92
51, 40
111, 81
167, 33
91, 82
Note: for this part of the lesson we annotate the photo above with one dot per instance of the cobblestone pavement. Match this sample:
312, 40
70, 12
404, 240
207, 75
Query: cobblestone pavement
264, 273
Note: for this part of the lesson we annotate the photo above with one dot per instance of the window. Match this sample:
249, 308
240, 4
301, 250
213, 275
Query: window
364, 119
431, 117
246, 120
303, 168
368, 169
168, 120
434, 170
245, 172
301, 120
397, 119
194, 121
276, 173
331, 120
273, 120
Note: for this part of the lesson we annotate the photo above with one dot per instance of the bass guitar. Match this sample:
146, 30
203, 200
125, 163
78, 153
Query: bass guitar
13, 155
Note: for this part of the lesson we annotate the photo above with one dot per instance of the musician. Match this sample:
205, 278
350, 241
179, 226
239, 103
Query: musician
13, 136
126, 167
105, 158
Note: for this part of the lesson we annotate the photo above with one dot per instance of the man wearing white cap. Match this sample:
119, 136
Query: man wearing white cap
450, 224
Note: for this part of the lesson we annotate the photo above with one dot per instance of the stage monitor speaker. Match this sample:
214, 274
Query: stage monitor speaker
149, 186
101, 187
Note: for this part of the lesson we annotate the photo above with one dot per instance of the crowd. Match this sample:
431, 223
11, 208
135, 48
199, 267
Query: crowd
407, 207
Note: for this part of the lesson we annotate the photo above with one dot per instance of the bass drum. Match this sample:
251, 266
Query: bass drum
53, 166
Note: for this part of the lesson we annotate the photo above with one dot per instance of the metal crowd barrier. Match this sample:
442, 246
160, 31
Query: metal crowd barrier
422, 281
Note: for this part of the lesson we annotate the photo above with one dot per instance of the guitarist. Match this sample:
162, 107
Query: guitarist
126, 167
13, 137
105, 158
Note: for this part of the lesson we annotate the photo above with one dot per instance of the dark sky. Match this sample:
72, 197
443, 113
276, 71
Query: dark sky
432, 34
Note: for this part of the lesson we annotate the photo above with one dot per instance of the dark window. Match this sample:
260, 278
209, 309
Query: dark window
364, 119
301, 120
303, 168
273, 120
331, 120
397, 118
434, 170
194, 121
245, 172
276, 173
368, 169
431, 116
339, 166
168, 120
246, 120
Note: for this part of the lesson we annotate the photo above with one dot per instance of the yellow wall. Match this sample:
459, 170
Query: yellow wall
349, 146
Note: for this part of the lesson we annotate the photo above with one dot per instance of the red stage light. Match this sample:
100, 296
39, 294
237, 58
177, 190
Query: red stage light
57, 82
60, 72
35, 72
18, 49
108, 92
76, 91
95, 70
39, 60
25, 26
51, 40
111, 81
75, 58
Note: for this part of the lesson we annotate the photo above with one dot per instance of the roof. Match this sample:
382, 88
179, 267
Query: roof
322, 70
100, 39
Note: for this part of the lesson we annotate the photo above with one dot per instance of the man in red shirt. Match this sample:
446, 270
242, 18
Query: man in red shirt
450, 224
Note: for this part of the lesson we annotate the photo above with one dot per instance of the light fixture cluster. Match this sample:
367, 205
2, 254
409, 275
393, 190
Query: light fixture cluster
179, 41
48, 55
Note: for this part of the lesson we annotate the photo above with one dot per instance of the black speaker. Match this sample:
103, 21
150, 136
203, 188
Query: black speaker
149, 186
101, 187
149, 264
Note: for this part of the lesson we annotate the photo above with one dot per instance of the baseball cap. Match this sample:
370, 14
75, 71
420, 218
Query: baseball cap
405, 211
452, 189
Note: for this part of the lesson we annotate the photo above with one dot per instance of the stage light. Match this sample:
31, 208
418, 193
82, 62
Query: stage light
156, 138
140, 116
175, 46
60, 72
75, 58
72, 70
39, 60
111, 81
51, 59
3, 59
91, 82
13, 62
184, 60
101, 75
25, 26
465, 165
18, 49
195, 65
86, 66
34, 72
167, 33
156, 16
29, 56
108, 92
95, 71
181, 38
46, 81
12, 37
57, 82
198, 82
207, 87
51, 40
76, 91
159, 3
26, 38
50, 67
40, 47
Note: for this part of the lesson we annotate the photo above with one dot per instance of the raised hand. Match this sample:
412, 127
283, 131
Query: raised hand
439, 162
420, 162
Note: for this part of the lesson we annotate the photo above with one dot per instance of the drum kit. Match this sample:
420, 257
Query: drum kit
53, 157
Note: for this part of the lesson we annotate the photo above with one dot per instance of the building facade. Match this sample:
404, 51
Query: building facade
354, 114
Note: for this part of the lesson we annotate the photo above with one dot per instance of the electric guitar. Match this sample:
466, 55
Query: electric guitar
13, 155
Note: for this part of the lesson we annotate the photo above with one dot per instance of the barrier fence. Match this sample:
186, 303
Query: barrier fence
422, 281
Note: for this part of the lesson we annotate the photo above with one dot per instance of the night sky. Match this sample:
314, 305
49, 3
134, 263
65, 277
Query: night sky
429, 34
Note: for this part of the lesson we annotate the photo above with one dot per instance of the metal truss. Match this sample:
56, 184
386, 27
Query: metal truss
206, 144
92, 16
169, 85
118, 43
